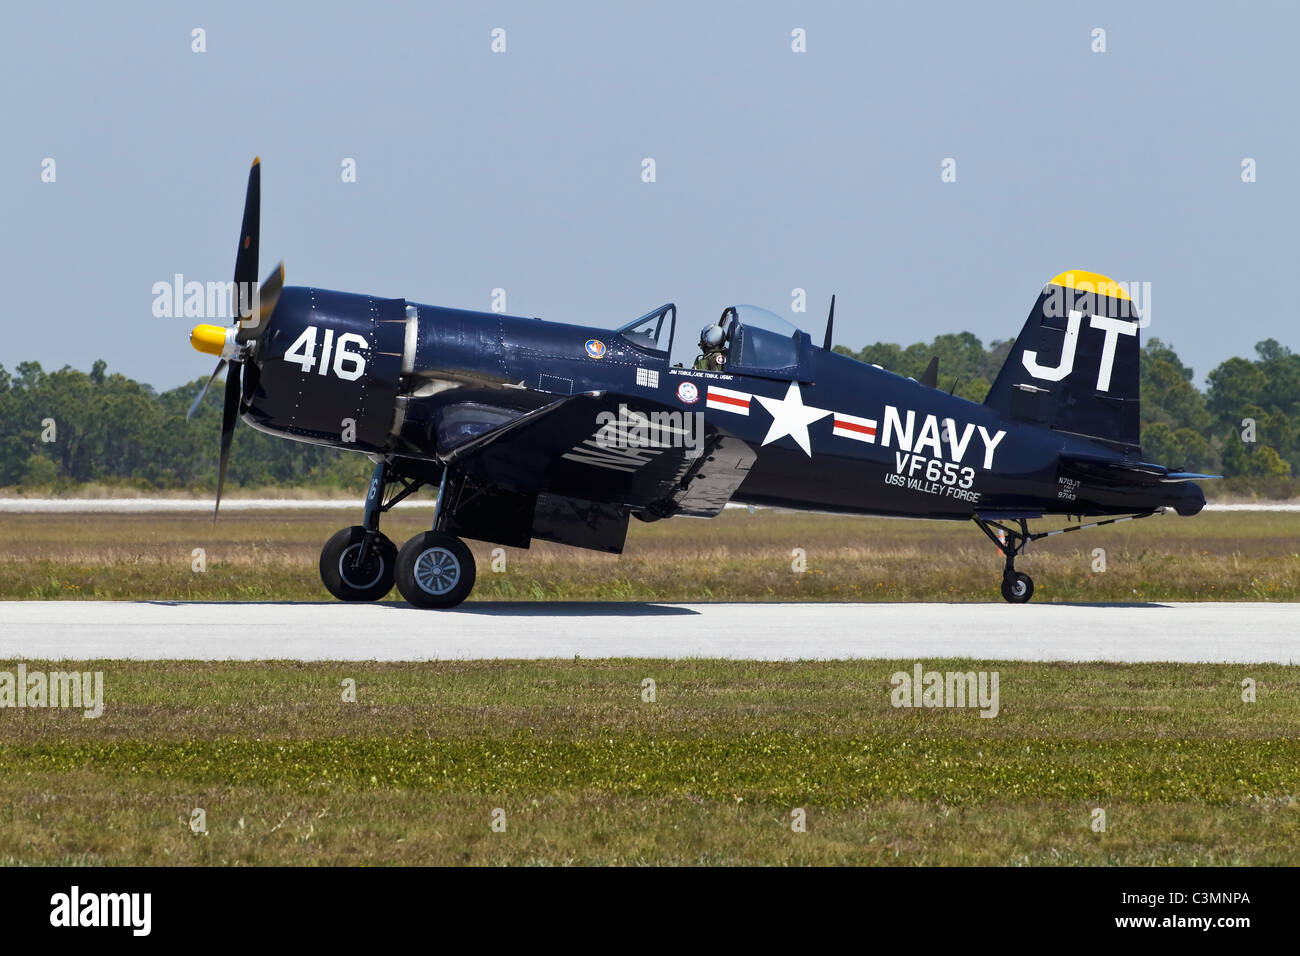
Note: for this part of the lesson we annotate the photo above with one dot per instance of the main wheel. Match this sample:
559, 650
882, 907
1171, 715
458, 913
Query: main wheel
435, 569
1018, 589
347, 580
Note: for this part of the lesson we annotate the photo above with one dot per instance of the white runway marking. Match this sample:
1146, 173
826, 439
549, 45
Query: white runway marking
82, 630
1261, 506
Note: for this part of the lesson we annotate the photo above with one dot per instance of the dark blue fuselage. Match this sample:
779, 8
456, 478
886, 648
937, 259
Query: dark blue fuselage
830, 433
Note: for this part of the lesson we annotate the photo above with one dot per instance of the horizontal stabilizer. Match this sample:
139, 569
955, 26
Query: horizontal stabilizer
1114, 469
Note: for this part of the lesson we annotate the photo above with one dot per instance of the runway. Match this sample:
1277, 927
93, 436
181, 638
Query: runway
84, 630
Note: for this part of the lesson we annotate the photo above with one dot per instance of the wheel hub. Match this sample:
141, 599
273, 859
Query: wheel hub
437, 571
360, 578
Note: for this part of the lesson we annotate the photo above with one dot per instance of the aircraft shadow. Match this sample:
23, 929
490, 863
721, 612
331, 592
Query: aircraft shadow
603, 608
243, 603
1149, 604
566, 609
491, 608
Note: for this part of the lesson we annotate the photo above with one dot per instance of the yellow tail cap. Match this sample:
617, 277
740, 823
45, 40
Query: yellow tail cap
210, 339
1082, 280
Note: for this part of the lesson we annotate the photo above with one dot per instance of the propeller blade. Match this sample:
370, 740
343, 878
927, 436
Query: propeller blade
229, 415
252, 328
830, 326
246, 256
245, 280
198, 401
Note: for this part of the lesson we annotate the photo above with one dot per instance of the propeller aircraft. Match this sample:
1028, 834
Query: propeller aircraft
538, 429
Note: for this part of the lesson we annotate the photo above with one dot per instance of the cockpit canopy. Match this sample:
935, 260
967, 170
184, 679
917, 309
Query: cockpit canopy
757, 340
652, 332
760, 342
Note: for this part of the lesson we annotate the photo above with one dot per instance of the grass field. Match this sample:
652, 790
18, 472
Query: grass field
711, 771
588, 772
736, 557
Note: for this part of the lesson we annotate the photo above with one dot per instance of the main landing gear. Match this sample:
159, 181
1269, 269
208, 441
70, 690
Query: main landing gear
433, 570
1018, 587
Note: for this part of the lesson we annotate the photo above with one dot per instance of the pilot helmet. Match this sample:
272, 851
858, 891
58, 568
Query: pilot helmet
711, 336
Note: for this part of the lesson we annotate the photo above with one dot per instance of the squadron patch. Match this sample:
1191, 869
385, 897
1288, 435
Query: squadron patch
595, 348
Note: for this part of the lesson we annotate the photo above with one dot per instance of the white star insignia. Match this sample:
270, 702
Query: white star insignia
790, 416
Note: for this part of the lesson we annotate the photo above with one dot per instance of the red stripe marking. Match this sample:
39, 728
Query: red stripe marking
727, 399
850, 426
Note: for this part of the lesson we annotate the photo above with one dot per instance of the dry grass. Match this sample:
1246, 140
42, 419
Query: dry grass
104, 490
738, 556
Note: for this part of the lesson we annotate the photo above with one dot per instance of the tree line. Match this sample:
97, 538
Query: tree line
66, 427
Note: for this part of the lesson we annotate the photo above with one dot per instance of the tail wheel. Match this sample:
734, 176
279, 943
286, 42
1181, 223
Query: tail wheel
350, 579
1018, 587
435, 570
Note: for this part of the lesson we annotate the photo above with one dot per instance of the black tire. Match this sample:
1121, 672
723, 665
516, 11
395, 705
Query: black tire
1018, 589
435, 570
347, 582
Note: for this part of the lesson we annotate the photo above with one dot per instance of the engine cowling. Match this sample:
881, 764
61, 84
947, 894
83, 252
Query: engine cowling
328, 369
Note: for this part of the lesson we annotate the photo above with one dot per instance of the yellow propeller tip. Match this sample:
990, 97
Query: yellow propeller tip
257, 160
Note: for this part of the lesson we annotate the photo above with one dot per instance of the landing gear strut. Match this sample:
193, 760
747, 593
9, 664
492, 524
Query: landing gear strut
1017, 587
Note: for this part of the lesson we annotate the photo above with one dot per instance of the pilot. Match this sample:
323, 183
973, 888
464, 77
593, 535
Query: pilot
713, 347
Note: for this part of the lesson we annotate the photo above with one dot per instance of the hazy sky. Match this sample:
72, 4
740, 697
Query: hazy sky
523, 170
